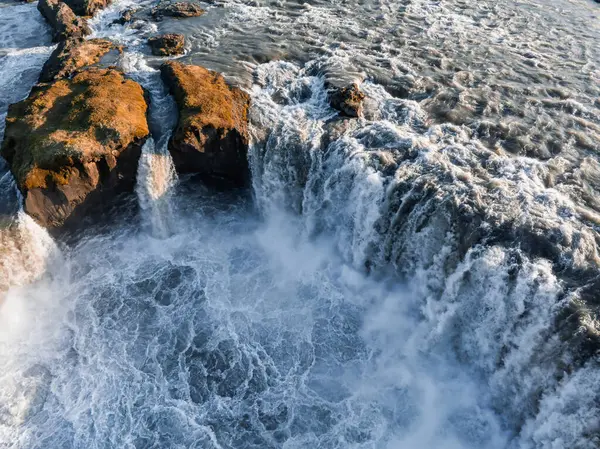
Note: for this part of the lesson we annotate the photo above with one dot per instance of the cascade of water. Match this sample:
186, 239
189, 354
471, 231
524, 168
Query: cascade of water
396, 195
156, 179
25, 248
156, 173
406, 287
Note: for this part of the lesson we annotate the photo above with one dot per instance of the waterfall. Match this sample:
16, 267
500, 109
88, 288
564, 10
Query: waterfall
26, 249
156, 176
156, 179
392, 197
397, 283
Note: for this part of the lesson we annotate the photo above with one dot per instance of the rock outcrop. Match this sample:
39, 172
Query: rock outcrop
72, 55
177, 9
62, 19
87, 7
348, 100
74, 144
211, 137
167, 44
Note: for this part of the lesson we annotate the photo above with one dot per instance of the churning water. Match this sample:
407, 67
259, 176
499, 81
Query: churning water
424, 277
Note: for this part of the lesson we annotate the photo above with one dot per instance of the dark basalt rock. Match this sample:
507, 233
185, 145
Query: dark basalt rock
87, 7
211, 137
348, 100
178, 9
72, 55
72, 145
167, 44
63, 20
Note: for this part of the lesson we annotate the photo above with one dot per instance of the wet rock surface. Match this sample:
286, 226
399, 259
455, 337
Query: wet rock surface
72, 55
177, 9
126, 16
211, 137
348, 100
62, 19
74, 144
87, 7
167, 44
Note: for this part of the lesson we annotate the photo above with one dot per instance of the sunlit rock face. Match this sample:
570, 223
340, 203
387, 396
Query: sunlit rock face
74, 143
211, 137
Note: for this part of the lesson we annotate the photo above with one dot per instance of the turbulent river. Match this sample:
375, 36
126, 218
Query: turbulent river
424, 277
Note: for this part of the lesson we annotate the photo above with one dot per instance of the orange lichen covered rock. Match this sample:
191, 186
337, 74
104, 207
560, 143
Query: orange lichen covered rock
72, 55
177, 9
73, 144
211, 137
167, 44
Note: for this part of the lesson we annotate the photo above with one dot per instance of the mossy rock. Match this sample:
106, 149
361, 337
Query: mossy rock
74, 54
167, 44
75, 140
211, 137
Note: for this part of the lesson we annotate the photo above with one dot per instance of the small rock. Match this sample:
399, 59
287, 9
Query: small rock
63, 20
167, 44
72, 145
211, 137
87, 7
178, 9
72, 55
126, 16
348, 100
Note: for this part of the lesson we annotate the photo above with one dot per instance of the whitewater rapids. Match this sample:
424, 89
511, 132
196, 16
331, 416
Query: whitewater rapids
424, 277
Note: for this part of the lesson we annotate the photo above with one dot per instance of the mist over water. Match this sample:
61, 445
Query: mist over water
397, 281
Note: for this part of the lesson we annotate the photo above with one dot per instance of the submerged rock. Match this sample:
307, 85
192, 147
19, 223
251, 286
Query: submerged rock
74, 144
87, 7
178, 9
211, 137
348, 100
72, 55
167, 44
63, 20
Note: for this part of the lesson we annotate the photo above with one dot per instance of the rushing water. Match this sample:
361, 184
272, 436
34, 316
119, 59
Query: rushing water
424, 277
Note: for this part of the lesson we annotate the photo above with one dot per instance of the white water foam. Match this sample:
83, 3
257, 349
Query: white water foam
392, 192
103, 24
156, 178
234, 334
22, 34
290, 332
25, 248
